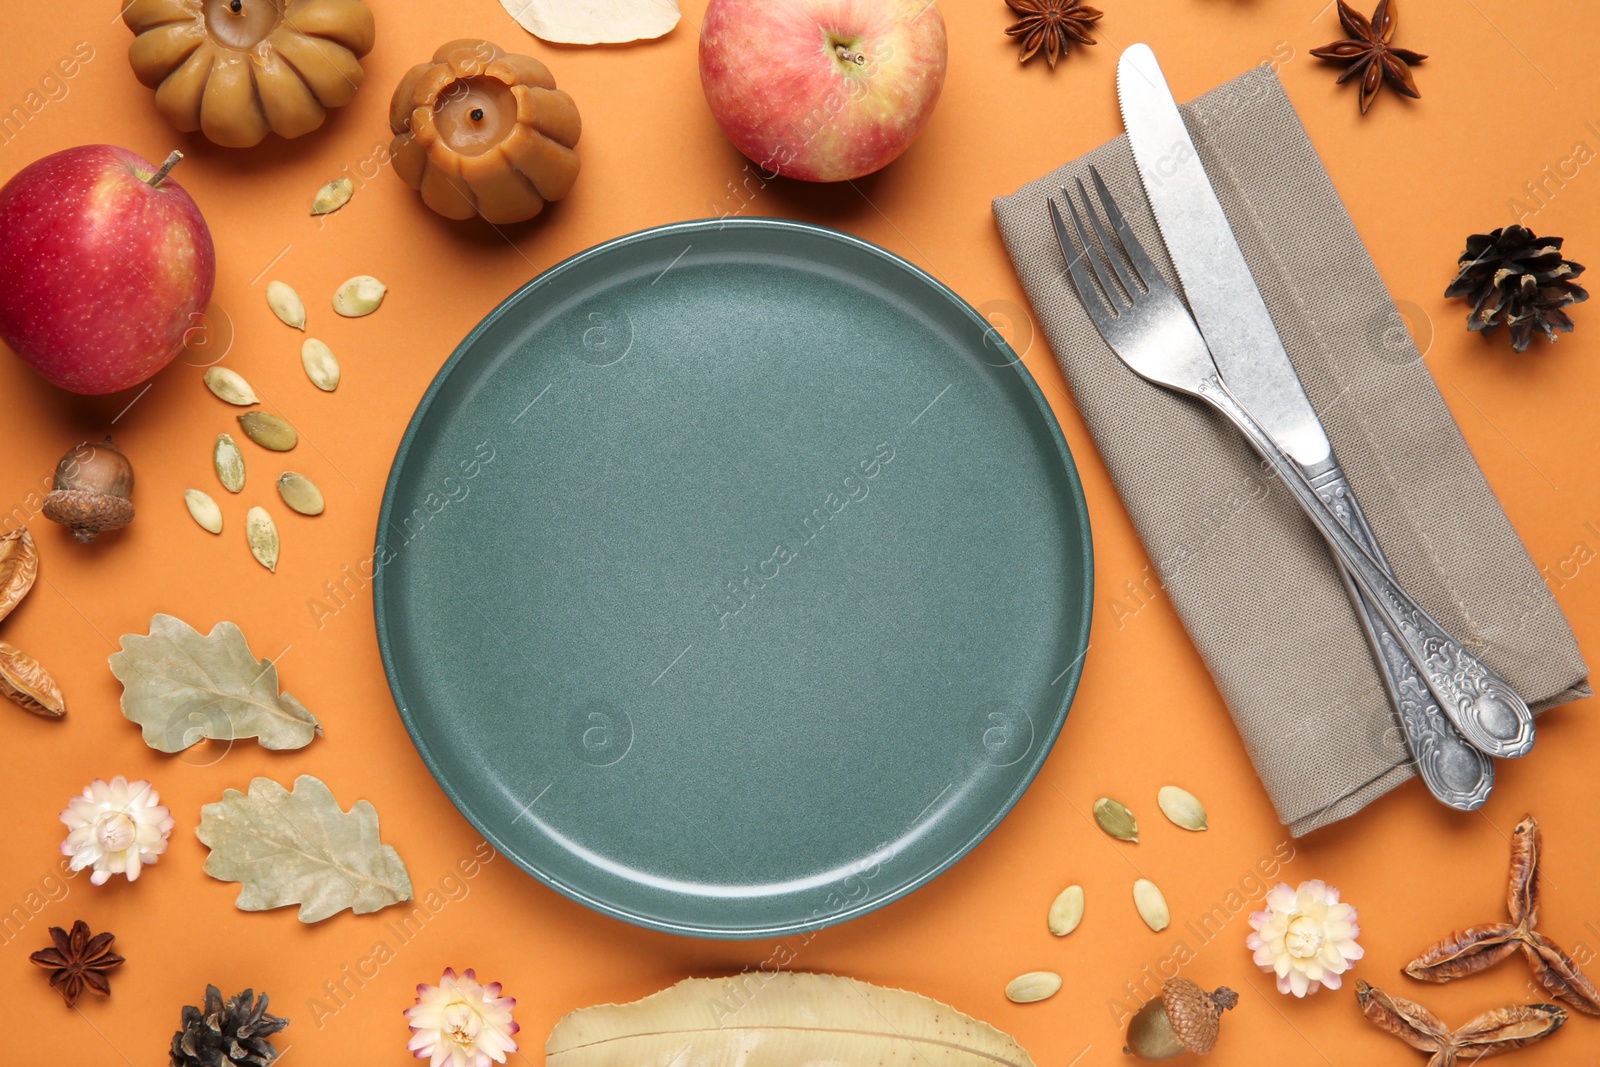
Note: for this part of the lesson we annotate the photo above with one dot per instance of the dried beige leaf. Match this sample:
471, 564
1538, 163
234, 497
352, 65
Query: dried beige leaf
183, 687
1066, 911
28, 685
333, 196
1116, 820
203, 510
269, 431
358, 296
1151, 904
1033, 986
286, 304
230, 385
262, 536
300, 493
594, 21
1182, 807
229, 463
299, 847
19, 566
321, 365
778, 1018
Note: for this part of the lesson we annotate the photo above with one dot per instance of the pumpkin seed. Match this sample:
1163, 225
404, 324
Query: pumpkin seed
1116, 820
203, 510
1066, 912
268, 431
230, 386
1182, 807
333, 196
286, 304
1035, 985
229, 463
300, 493
361, 295
322, 367
262, 536
1151, 904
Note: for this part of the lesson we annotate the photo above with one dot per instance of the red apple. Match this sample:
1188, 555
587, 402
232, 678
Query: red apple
105, 264
823, 90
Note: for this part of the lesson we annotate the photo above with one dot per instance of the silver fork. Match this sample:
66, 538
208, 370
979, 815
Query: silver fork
1150, 329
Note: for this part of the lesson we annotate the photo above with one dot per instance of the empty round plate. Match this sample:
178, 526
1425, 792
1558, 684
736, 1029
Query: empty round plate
734, 578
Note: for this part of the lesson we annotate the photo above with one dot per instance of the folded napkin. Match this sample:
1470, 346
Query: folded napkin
1249, 576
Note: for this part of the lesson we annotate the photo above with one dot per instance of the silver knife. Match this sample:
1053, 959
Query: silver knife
1448, 732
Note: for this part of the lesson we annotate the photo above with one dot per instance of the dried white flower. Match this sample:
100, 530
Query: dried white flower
459, 1023
116, 827
1305, 936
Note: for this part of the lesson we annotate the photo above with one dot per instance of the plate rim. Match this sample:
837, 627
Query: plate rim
1072, 675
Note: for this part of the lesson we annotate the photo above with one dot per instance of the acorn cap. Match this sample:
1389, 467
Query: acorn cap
88, 513
1193, 1012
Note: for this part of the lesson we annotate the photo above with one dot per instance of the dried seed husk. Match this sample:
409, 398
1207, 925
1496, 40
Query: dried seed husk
1182, 807
361, 295
1033, 986
1505, 1029
1152, 906
333, 196
1116, 820
28, 685
203, 510
268, 431
286, 304
230, 385
229, 463
322, 367
19, 566
300, 493
1066, 911
262, 537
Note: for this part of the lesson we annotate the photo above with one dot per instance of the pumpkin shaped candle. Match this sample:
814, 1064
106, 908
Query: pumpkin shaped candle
237, 70
479, 131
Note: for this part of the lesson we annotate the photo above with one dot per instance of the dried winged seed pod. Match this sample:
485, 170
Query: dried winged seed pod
1492, 1033
1183, 1019
91, 491
19, 566
28, 685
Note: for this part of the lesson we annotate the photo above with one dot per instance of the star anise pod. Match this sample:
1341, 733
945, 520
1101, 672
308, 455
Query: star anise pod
1490, 1034
1052, 25
78, 960
1370, 55
1481, 947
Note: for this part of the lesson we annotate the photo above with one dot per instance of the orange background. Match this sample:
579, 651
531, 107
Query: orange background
1509, 88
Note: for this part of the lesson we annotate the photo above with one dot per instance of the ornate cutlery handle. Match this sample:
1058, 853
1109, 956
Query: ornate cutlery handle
1487, 711
1457, 774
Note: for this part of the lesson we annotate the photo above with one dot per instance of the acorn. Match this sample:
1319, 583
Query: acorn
1182, 1020
90, 494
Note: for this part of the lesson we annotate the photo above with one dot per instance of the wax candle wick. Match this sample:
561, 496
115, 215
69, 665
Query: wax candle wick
477, 114
236, 6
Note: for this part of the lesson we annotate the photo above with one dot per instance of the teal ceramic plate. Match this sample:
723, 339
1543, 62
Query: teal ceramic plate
734, 578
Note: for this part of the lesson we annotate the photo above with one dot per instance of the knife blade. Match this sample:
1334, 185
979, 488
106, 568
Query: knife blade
1220, 289
1227, 305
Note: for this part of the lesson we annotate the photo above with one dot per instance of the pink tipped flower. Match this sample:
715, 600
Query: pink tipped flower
1305, 936
459, 1023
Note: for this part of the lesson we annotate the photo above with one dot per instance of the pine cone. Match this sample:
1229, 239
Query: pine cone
231, 1034
1514, 277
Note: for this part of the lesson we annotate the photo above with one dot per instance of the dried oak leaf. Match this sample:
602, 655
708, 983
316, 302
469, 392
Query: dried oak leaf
298, 847
28, 685
182, 687
594, 21
19, 566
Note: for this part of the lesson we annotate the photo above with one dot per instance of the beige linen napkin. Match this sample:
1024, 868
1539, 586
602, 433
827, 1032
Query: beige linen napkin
1251, 580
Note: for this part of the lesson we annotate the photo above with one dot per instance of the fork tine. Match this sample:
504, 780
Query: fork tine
1141, 263
1087, 294
1113, 297
1105, 243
